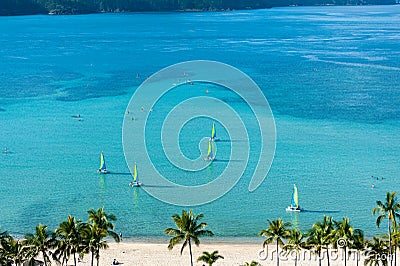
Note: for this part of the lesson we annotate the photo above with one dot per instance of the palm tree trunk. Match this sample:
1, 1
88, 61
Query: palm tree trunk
327, 254
190, 250
74, 259
277, 255
319, 258
44, 258
295, 262
345, 256
358, 256
390, 242
91, 264
98, 257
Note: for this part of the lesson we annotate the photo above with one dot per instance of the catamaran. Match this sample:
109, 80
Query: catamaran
294, 206
135, 182
103, 168
213, 133
210, 154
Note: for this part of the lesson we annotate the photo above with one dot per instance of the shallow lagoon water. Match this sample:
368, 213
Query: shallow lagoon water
330, 74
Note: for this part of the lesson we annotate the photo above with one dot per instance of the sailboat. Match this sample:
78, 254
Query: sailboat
103, 168
294, 206
210, 154
135, 182
213, 133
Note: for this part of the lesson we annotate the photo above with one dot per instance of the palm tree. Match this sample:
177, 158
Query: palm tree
92, 241
100, 218
100, 227
343, 234
62, 252
3, 236
13, 251
68, 234
376, 250
327, 230
395, 241
187, 229
295, 242
389, 209
316, 240
210, 258
40, 242
252, 263
275, 232
358, 242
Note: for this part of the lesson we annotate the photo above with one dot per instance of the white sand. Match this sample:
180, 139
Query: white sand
132, 254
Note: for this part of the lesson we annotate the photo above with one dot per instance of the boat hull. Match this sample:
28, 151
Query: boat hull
138, 184
293, 209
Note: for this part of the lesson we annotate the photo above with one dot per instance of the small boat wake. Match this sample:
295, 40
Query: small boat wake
320, 211
116, 173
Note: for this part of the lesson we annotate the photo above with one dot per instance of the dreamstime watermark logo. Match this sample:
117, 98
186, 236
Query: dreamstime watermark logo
333, 254
341, 243
190, 74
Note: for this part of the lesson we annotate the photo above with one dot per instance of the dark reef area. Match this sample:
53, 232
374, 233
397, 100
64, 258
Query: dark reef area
72, 7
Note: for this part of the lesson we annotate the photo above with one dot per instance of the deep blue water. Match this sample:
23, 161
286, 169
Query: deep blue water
330, 74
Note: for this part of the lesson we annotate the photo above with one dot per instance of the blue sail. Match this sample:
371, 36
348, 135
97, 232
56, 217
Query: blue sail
102, 162
293, 200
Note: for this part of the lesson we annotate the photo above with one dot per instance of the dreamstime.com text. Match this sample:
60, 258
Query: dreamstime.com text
308, 255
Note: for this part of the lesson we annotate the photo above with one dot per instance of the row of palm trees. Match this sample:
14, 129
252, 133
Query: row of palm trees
72, 238
323, 235
328, 234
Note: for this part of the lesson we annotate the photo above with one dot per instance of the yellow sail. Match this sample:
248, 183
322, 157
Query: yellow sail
209, 149
134, 173
213, 131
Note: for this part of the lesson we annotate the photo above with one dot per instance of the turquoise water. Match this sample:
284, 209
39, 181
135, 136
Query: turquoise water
330, 74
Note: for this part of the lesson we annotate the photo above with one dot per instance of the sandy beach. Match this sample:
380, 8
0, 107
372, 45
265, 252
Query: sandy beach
131, 253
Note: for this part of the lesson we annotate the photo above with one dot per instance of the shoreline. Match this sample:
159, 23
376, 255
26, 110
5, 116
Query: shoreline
208, 240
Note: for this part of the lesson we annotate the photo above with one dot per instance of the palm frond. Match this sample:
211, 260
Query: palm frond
175, 240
